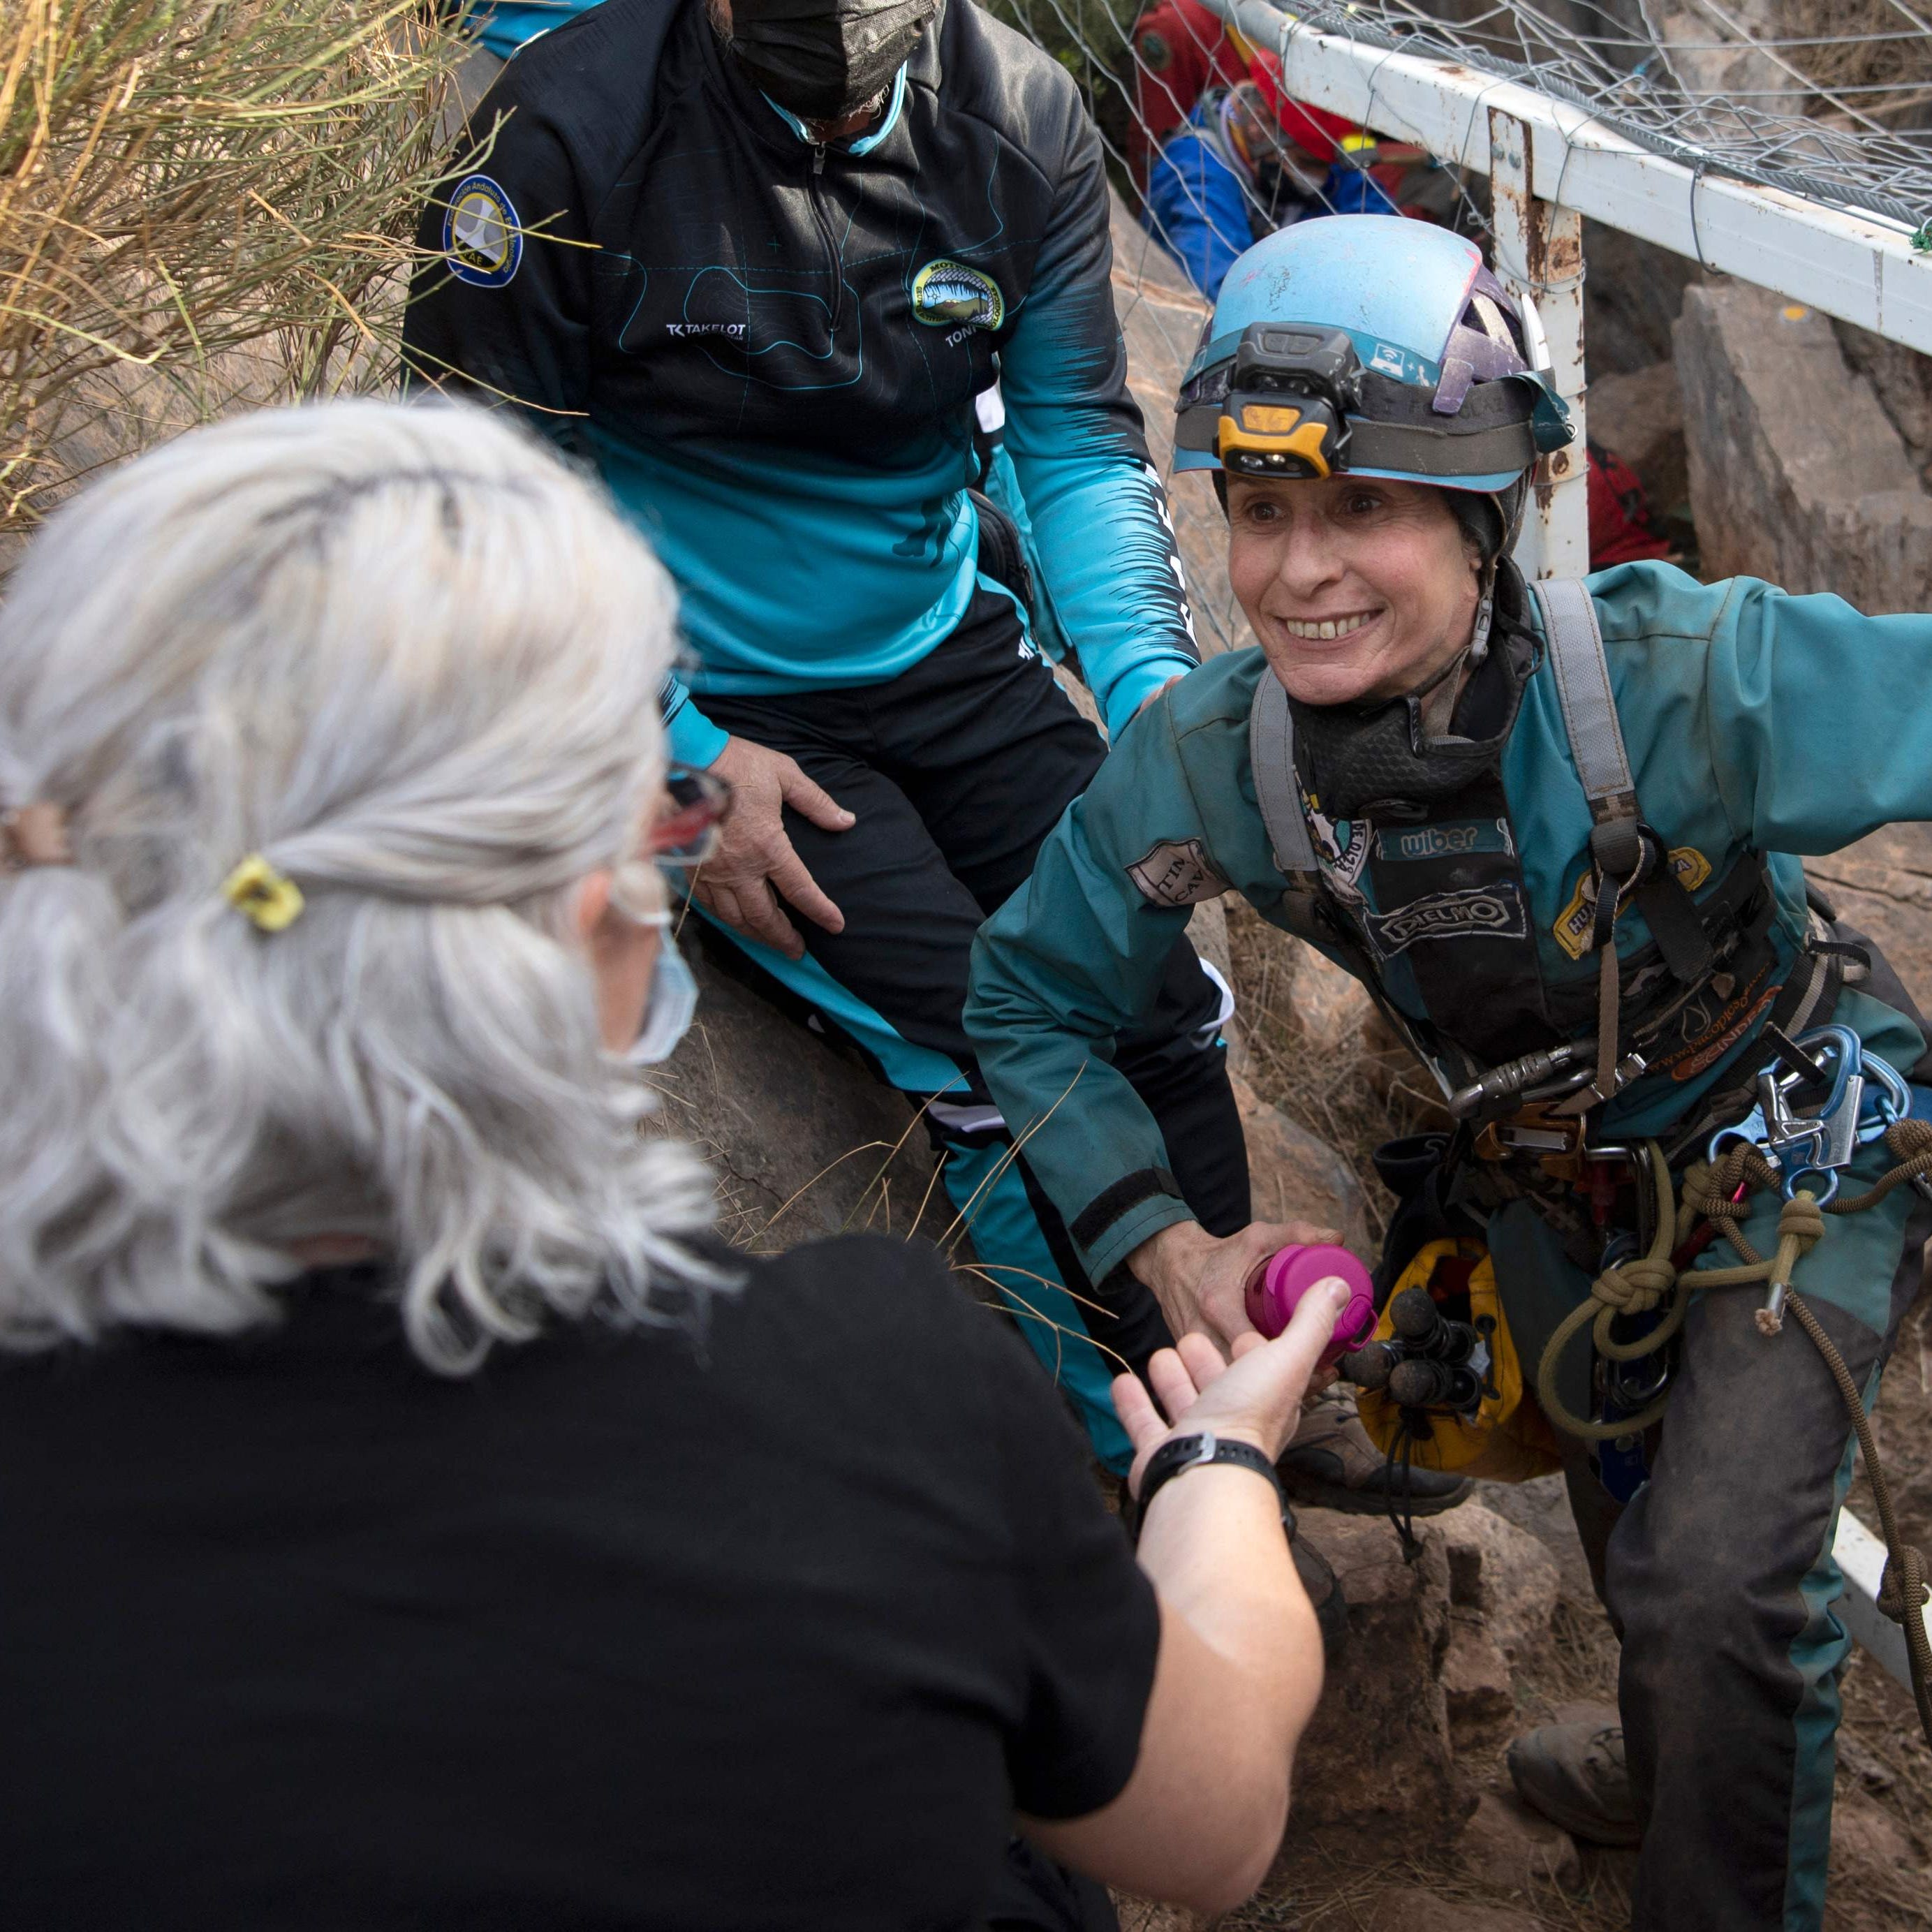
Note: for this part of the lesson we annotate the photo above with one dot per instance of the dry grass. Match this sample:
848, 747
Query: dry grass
203, 204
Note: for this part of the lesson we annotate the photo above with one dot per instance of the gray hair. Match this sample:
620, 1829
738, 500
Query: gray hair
413, 662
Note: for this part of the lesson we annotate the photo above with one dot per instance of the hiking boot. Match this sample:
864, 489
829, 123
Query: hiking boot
1574, 1775
1331, 1464
1325, 1591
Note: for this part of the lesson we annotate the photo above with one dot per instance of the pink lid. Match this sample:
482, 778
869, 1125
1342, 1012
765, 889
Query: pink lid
1275, 1289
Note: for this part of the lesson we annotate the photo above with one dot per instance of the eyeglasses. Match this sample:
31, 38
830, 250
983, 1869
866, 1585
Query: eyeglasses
686, 831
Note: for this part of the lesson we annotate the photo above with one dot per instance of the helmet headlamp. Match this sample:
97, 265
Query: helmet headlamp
1285, 410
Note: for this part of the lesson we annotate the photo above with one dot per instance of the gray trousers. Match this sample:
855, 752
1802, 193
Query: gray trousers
1719, 1577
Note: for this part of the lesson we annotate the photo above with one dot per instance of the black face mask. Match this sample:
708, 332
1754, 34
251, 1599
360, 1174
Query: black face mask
824, 59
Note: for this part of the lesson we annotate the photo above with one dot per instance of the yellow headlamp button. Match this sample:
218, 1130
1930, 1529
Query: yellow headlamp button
1268, 418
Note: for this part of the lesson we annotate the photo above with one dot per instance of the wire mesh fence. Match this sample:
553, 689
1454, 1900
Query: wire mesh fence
1829, 100
1209, 151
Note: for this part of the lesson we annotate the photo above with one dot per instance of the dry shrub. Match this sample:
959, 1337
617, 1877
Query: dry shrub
203, 203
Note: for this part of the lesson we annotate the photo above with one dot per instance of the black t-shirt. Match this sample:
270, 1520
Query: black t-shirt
770, 1630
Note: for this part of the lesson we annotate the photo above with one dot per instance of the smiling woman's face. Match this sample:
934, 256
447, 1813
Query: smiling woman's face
1357, 588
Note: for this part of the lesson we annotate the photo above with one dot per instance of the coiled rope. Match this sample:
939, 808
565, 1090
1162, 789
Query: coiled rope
1715, 1191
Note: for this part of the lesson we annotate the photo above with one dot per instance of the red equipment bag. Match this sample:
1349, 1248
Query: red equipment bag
1621, 530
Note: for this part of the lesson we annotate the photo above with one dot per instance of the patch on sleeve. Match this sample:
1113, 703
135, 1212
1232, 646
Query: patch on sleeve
1176, 873
482, 234
1155, 52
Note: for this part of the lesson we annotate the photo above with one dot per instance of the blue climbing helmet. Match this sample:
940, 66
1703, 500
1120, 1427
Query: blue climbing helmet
1376, 347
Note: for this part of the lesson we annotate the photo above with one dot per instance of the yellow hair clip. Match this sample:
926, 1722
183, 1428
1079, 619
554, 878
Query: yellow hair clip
260, 893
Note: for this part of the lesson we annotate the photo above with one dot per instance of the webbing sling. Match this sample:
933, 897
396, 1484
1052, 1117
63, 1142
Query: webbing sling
1619, 836
1631, 862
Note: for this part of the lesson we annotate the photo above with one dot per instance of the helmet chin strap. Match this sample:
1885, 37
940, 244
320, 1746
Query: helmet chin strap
1435, 697
1486, 611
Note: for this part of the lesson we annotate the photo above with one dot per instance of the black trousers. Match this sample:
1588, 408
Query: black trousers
956, 769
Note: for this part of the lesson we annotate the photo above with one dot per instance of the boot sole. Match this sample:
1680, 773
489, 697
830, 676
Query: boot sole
1592, 1829
1314, 1493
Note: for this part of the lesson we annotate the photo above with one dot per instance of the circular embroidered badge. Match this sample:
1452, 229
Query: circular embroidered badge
948, 294
482, 234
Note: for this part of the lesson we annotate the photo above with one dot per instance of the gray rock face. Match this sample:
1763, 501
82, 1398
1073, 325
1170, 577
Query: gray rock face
1295, 1176
1633, 291
1377, 1757
1639, 415
1504, 1576
1883, 885
804, 1142
1797, 474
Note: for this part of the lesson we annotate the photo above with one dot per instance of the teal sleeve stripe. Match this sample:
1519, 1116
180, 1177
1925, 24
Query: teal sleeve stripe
693, 738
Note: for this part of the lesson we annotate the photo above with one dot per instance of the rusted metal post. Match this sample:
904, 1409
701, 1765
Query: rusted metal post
1539, 252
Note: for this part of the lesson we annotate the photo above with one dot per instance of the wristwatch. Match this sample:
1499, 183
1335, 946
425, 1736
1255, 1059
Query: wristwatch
1182, 1453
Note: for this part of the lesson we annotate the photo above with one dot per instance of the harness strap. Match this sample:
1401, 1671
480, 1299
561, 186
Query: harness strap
1271, 754
1589, 711
1632, 865
1278, 792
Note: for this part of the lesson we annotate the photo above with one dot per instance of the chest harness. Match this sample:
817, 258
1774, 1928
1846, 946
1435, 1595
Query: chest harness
1522, 1062
1442, 940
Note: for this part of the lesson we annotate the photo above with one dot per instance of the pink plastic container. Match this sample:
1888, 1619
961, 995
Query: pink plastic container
1275, 1289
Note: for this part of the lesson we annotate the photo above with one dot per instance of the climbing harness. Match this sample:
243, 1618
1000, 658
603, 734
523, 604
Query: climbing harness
1855, 1098
1799, 1122
1673, 1007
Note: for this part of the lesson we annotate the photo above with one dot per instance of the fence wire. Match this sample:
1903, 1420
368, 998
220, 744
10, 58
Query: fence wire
1830, 100
1827, 100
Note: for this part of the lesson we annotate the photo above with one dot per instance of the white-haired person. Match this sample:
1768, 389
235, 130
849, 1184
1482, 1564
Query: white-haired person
409, 1516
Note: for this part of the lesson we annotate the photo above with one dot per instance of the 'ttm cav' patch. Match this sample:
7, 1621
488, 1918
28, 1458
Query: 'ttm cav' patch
482, 234
1177, 873
948, 294
1573, 923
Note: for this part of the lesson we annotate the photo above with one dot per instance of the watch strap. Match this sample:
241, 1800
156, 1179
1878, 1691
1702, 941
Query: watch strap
1180, 1453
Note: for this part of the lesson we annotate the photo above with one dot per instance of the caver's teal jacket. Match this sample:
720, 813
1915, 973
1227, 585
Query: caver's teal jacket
1754, 722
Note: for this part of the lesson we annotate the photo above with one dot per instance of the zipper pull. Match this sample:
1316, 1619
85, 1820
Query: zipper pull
818, 158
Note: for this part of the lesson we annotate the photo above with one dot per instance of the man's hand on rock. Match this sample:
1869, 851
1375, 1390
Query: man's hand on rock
1200, 1282
755, 864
